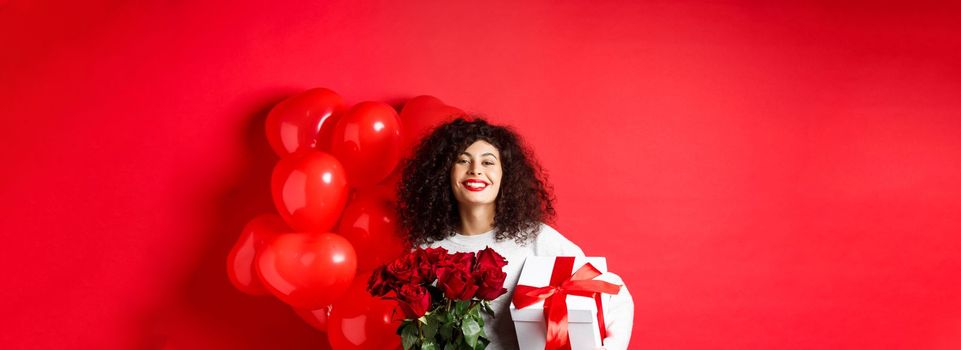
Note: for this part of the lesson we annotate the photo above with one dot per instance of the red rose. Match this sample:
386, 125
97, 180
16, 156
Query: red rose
380, 282
489, 259
490, 283
458, 261
489, 274
457, 284
461, 261
415, 299
427, 262
405, 269
436, 254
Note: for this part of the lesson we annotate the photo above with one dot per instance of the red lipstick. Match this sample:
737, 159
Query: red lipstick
474, 185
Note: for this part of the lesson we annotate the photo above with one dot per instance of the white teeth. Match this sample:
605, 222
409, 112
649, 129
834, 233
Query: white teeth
475, 185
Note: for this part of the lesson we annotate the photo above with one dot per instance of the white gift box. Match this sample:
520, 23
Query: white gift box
529, 323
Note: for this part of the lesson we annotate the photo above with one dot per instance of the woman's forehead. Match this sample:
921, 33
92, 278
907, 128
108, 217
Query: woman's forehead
481, 148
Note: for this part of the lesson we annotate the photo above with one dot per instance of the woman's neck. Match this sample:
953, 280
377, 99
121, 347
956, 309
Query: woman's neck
476, 219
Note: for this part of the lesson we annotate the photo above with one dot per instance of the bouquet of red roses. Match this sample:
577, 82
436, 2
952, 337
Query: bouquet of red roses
442, 295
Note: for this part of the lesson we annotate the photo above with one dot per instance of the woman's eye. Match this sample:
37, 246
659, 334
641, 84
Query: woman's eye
462, 161
488, 163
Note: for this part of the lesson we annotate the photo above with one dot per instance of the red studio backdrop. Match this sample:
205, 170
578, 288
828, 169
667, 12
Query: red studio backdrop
763, 175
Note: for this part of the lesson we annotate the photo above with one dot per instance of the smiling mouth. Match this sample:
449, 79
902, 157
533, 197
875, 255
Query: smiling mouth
474, 186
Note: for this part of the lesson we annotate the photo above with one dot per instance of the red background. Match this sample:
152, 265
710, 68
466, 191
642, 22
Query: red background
763, 175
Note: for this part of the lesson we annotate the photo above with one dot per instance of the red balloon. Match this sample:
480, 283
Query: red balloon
309, 190
370, 224
387, 188
367, 141
303, 121
307, 270
240, 260
422, 114
315, 318
360, 321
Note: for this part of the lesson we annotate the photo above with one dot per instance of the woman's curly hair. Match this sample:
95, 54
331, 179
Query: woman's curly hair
427, 209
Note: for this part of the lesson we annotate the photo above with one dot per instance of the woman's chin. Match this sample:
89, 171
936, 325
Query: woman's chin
475, 202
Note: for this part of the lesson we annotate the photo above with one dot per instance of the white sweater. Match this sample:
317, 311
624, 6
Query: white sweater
619, 316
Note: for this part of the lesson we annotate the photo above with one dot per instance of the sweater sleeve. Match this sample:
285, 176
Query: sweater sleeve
619, 317
549, 242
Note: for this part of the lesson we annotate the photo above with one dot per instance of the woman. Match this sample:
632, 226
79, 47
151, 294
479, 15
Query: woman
470, 185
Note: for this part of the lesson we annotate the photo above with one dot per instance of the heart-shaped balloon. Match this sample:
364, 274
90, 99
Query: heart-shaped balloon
361, 321
422, 114
304, 121
387, 188
240, 260
367, 141
310, 190
307, 270
370, 224
316, 318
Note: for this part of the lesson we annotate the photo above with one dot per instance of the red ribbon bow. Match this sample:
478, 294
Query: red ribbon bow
562, 284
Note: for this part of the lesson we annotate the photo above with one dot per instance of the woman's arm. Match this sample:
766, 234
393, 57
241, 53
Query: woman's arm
619, 315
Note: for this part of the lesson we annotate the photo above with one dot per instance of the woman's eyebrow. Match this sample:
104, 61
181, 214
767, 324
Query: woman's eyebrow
485, 154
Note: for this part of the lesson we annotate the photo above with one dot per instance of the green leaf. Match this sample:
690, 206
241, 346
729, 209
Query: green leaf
450, 346
471, 331
487, 307
474, 314
460, 307
481, 343
430, 327
410, 336
403, 324
428, 345
446, 330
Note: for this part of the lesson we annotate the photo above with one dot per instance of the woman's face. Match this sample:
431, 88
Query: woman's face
476, 175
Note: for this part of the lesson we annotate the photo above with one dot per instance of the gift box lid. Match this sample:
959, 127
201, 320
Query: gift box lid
537, 272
